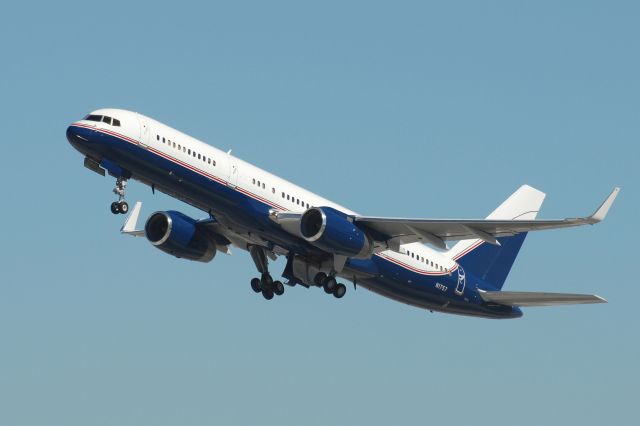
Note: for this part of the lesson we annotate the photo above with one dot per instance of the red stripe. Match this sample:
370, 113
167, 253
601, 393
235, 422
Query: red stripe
472, 247
256, 197
182, 163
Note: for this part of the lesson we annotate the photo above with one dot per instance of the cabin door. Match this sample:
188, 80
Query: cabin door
232, 180
145, 133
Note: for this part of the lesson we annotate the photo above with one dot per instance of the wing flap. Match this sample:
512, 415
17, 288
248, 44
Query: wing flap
523, 298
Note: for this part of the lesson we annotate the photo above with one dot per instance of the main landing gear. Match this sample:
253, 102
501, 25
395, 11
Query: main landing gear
269, 288
330, 285
265, 284
120, 206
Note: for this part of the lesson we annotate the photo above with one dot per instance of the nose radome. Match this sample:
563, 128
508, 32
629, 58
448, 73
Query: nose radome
72, 134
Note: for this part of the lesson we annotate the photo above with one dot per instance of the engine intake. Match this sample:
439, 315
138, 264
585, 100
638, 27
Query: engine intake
333, 232
177, 234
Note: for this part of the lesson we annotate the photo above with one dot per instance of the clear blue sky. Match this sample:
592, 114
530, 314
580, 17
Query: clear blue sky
396, 108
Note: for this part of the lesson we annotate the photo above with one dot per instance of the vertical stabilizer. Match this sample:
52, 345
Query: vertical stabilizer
492, 263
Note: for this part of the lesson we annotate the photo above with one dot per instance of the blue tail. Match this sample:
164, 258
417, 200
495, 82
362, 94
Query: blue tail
492, 263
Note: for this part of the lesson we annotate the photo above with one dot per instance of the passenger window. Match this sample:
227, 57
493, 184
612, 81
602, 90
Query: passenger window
116, 122
254, 181
283, 195
158, 138
189, 151
213, 162
209, 160
106, 119
184, 149
288, 197
174, 144
263, 186
273, 190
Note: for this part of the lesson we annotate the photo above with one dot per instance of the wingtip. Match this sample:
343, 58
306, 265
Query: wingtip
131, 222
599, 299
602, 211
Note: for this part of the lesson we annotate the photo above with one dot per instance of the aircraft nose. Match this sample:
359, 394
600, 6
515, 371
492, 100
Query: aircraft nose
70, 134
74, 136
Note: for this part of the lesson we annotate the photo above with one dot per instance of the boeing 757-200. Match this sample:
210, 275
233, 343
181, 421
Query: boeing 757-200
408, 260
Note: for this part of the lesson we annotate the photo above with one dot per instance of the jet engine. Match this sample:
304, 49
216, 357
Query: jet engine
178, 234
333, 232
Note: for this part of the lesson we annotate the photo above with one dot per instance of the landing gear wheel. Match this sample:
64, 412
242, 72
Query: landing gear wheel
278, 288
329, 285
255, 285
319, 278
114, 208
123, 207
339, 291
267, 294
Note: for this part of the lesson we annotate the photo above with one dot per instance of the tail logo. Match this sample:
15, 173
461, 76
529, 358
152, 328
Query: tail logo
462, 281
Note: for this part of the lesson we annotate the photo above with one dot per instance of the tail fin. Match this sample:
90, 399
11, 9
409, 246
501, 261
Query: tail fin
492, 263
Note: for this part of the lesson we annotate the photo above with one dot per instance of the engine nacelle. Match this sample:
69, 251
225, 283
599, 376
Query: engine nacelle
333, 232
177, 234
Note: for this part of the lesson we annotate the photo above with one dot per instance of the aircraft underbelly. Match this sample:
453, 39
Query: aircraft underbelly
241, 212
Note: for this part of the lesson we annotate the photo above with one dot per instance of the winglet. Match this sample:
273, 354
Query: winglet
602, 211
131, 223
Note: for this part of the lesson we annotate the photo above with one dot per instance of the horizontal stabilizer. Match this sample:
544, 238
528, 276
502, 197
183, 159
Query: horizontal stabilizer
525, 298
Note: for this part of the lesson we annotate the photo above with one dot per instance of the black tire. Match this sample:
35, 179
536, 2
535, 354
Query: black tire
329, 285
114, 208
123, 207
319, 278
340, 291
255, 285
267, 294
278, 288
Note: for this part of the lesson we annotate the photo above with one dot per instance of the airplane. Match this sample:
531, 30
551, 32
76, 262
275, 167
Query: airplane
404, 259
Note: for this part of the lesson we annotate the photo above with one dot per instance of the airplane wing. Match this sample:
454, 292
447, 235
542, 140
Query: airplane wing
437, 231
523, 298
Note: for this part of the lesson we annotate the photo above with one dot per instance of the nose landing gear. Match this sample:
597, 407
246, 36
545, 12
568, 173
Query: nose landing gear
120, 206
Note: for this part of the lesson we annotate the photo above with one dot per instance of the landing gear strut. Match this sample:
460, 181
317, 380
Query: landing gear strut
330, 285
265, 284
120, 206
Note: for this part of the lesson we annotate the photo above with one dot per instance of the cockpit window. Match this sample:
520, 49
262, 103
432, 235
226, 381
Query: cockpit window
104, 119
